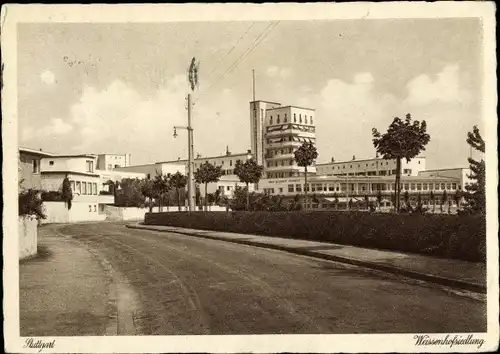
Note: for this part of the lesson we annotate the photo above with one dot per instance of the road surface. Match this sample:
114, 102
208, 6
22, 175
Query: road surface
187, 285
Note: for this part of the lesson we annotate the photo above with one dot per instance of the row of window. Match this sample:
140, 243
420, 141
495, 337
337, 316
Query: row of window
290, 138
294, 119
368, 173
84, 188
196, 165
302, 128
282, 174
279, 163
374, 187
276, 152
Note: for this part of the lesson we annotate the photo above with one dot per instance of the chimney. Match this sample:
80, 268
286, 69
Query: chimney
178, 159
333, 159
227, 150
249, 151
353, 157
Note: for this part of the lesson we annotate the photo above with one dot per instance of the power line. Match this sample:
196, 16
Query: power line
231, 50
246, 53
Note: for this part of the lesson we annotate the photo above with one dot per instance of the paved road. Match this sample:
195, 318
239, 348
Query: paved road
188, 285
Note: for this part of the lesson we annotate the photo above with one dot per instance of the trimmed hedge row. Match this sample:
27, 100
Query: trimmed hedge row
447, 236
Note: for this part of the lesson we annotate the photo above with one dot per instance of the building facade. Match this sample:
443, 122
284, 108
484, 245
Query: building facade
29, 167
285, 130
110, 162
371, 167
86, 185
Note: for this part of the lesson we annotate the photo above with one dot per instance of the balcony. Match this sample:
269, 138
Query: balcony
287, 156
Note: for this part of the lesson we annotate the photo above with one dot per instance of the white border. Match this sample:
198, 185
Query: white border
13, 14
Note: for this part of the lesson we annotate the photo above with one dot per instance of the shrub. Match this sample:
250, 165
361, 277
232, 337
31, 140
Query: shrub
446, 236
31, 204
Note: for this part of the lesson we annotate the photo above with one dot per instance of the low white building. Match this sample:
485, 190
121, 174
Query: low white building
87, 204
370, 167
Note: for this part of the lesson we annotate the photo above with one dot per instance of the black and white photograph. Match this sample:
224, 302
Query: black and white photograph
250, 178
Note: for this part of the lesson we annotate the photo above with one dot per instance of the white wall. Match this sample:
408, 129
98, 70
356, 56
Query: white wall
28, 235
72, 163
57, 212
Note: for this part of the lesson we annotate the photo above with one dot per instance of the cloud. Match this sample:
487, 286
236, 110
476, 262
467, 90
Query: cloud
47, 77
346, 112
445, 88
56, 128
276, 72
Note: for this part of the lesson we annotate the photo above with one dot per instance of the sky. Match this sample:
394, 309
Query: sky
121, 88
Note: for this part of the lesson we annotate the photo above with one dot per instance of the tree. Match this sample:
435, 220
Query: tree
248, 172
379, 198
30, 203
457, 197
217, 196
148, 191
178, 181
336, 200
305, 156
476, 191
432, 197
67, 193
444, 200
130, 193
404, 139
407, 199
161, 185
207, 173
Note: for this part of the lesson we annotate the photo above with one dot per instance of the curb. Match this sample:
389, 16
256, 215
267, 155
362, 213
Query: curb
463, 285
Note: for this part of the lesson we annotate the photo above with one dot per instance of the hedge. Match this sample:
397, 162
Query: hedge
448, 236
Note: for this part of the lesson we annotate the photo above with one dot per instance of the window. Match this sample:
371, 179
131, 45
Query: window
448, 186
95, 188
78, 188
36, 166
290, 188
407, 186
295, 118
90, 208
300, 118
453, 186
278, 119
51, 163
286, 120
72, 183
305, 119
311, 119
319, 187
437, 186
84, 188
116, 166
419, 162
90, 166
281, 190
419, 186
110, 166
425, 186
228, 188
271, 120
95, 207
298, 188
442, 186
230, 162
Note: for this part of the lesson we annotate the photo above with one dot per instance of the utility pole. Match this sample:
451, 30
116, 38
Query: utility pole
191, 193
193, 83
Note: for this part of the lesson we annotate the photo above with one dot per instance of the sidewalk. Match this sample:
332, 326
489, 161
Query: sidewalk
64, 290
449, 272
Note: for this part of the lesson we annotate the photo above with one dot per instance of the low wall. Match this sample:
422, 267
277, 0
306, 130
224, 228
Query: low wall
28, 235
449, 236
57, 212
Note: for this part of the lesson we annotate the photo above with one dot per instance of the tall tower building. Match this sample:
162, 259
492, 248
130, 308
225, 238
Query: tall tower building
257, 120
276, 132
